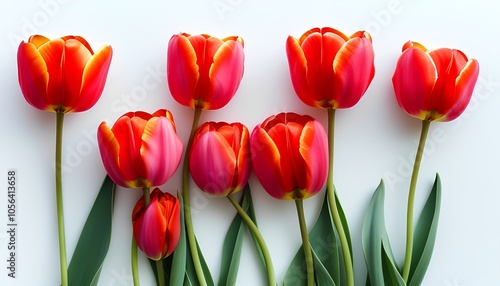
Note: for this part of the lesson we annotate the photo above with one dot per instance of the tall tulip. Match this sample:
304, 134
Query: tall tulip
290, 159
290, 155
141, 150
157, 225
329, 69
203, 71
220, 158
434, 85
431, 85
63, 74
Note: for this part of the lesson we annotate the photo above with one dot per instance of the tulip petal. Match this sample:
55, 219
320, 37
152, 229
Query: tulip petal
38, 40
413, 81
225, 74
213, 163
182, 70
314, 150
173, 225
33, 76
266, 163
149, 230
76, 56
109, 149
297, 64
93, 78
354, 71
52, 53
161, 150
465, 83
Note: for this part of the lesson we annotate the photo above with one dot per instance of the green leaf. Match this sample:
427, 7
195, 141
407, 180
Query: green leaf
321, 274
343, 220
247, 199
325, 243
376, 247
93, 244
231, 249
425, 235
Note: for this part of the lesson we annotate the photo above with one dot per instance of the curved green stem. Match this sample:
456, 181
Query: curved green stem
411, 199
306, 246
258, 236
187, 204
135, 266
59, 199
330, 188
161, 272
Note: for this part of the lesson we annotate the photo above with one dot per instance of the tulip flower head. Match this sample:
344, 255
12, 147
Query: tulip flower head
434, 85
220, 158
63, 74
157, 226
141, 149
290, 155
329, 69
203, 71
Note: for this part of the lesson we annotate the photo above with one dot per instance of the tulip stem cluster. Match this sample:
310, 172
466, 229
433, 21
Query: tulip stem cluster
411, 199
187, 205
305, 242
59, 199
258, 236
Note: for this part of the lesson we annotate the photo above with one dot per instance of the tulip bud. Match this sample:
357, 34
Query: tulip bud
290, 155
141, 149
434, 85
329, 69
157, 226
63, 74
220, 158
203, 71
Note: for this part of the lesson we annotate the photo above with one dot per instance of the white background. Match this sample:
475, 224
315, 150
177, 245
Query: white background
374, 139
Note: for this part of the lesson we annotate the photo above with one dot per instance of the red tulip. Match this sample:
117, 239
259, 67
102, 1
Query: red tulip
329, 69
141, 149
434, 85
202, 71
290, 155
62, 75
220, 158
157, 226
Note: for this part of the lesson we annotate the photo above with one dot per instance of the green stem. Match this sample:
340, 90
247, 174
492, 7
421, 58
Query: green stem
346, 252
161, 272
411, 199
135, 266
187, 204
258, 236
59, 199
306, 246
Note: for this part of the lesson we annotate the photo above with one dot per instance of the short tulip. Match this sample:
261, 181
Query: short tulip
63, 74
329, 69
157, 226
220, 158
434, 85
204, 72
141, 149
290, 155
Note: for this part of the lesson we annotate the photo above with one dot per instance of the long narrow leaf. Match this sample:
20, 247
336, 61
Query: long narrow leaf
391, 273
251, 213
323, 278
93, 244
343, 219
231, 249
425, 235
325, 243
375, 240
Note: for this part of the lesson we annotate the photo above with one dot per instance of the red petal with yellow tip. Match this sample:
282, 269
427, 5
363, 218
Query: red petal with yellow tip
314, 151
225, 74
182, 70
33, 76
109, 149
354, 71
297, 64
94, 78
52, 53
413, 80
38, 40
465, 83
